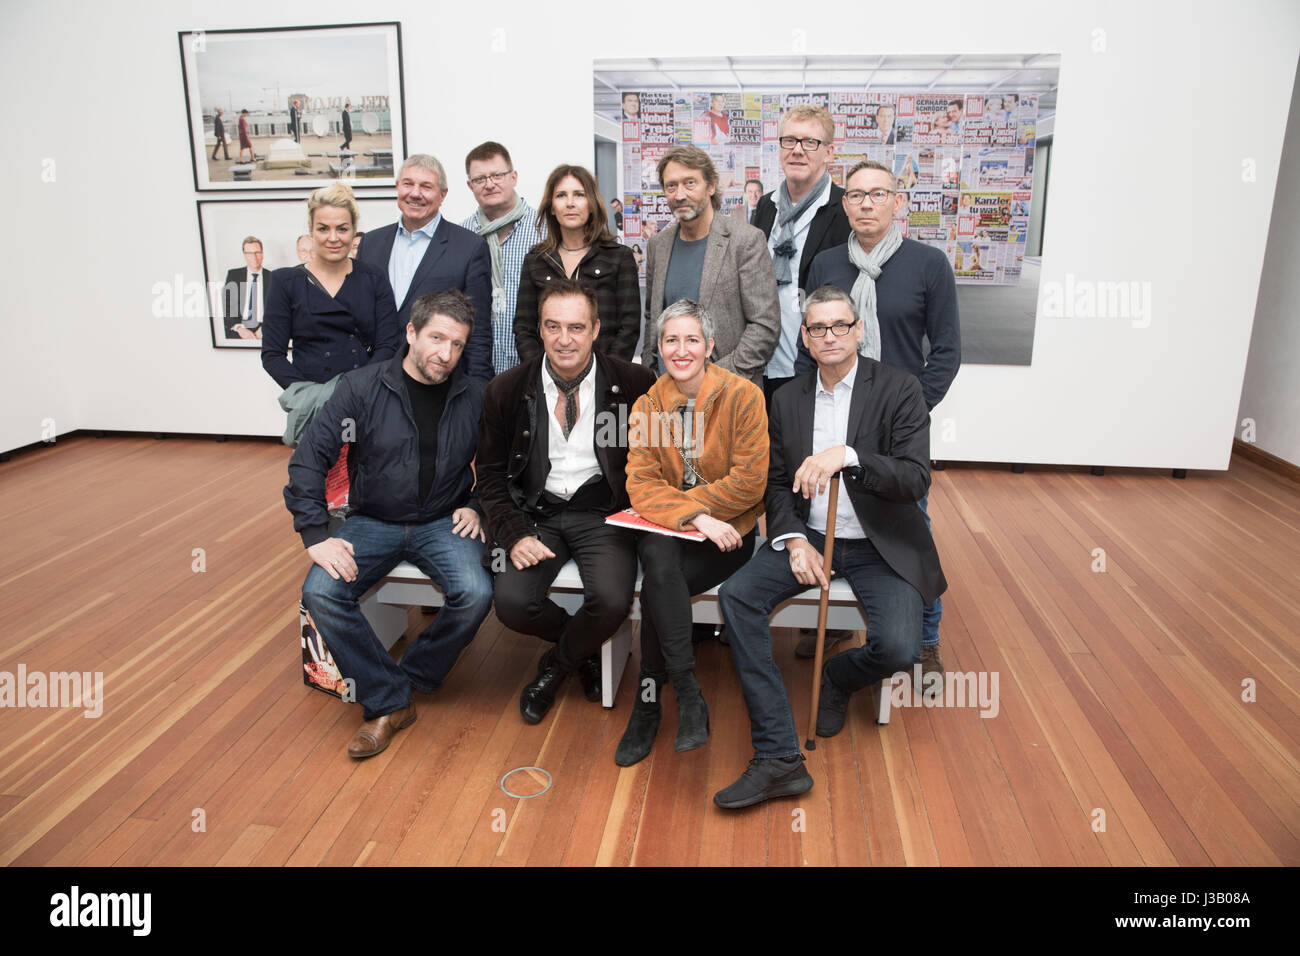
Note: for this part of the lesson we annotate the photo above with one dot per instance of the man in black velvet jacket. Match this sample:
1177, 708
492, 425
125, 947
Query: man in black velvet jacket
551, 466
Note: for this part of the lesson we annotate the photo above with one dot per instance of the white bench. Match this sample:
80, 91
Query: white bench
406, 585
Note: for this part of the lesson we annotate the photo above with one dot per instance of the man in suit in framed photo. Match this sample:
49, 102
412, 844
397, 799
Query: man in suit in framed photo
245, 294
219, 131
423, 253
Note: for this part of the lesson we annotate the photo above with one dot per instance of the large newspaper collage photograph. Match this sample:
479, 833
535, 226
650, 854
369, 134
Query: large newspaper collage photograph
963, 161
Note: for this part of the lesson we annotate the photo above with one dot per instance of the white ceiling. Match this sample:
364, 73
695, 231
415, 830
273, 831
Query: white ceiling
1027, 73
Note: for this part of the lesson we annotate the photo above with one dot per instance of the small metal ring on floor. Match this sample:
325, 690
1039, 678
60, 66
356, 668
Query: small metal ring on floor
525, 796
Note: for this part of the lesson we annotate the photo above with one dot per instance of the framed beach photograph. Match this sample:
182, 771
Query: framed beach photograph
294, 107
243, 242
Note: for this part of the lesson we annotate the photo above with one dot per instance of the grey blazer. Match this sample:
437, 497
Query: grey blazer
737, 286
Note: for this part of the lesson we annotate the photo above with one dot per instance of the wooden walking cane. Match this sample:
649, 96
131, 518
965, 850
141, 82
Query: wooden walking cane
827, 551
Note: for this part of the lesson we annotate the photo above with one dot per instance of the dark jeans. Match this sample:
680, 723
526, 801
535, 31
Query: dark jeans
454, 564
933, 612
893, 632
672, 571
606, 557
770, 385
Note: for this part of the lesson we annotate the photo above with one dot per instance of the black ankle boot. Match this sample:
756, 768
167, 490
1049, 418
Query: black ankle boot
692, 713
644, 722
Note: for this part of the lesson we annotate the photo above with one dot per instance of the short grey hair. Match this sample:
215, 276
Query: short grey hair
686, 307
425, 161
828, 293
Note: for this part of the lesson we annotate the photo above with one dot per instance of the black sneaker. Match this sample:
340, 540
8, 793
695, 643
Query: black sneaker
832, 707
764, 779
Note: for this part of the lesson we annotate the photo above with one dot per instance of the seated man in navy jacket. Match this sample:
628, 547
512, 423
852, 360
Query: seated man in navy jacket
867, 422
423, 253
413, 425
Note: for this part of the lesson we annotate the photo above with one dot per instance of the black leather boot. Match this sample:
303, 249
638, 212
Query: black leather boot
692, 713
643, 725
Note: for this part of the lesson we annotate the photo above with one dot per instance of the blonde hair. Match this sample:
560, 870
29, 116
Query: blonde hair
806, 111
338, 195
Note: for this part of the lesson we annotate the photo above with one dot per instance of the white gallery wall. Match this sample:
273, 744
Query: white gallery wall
1269, 414
1168, 135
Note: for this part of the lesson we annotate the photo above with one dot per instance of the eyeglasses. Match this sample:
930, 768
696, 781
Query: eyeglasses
839, 328
854, 197
478, 182
807, 142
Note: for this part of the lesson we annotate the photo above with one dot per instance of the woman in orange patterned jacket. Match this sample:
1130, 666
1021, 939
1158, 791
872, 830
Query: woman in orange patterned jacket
697, 462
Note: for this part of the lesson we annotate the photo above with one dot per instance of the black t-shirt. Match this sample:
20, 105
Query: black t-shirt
427, 403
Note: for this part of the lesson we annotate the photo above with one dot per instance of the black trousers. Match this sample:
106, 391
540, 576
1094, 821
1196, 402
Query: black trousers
606, 558
672, 571
770, 385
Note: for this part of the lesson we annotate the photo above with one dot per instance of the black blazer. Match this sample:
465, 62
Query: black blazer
455, 259
829, 227
512, 465
889, 428
235, 293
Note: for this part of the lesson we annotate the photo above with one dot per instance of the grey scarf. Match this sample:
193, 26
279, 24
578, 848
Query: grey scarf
787, 215
490, 230
568, 387
864, 289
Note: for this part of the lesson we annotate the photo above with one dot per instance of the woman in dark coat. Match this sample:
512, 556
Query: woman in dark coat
579, 245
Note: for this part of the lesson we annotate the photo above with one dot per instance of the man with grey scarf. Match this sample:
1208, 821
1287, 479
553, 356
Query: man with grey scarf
905, 293
510, 226
801, 218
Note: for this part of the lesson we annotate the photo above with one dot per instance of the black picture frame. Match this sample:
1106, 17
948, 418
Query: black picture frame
213, 60
277, 222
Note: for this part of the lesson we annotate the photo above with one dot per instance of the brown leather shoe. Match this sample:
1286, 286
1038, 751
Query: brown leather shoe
807, 646
374, 736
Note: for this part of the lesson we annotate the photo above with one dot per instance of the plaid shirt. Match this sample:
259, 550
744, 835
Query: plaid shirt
522, 238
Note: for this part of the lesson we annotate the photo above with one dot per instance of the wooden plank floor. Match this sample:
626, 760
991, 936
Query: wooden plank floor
1121, 735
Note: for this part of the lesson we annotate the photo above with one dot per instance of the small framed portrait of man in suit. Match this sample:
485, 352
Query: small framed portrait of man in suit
294, 108
244, 243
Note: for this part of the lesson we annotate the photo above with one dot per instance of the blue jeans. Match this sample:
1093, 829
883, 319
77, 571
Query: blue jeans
454, 564
933, 612
747, 599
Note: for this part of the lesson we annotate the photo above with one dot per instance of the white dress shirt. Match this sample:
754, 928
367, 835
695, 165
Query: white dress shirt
573, 459
831, 428
408, 249
253, 290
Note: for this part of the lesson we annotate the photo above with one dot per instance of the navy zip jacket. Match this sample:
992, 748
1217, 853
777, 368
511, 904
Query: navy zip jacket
371, 409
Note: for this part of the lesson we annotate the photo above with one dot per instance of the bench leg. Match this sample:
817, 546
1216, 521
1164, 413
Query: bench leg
388, 620
613, 660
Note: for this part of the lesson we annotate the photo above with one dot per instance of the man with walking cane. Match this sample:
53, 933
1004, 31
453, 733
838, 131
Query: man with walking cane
866, 426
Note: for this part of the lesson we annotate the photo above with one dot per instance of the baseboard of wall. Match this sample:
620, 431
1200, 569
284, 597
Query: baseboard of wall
106, 433
1260, 457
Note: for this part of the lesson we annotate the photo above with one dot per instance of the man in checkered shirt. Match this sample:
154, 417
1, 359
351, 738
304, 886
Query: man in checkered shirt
510, 226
